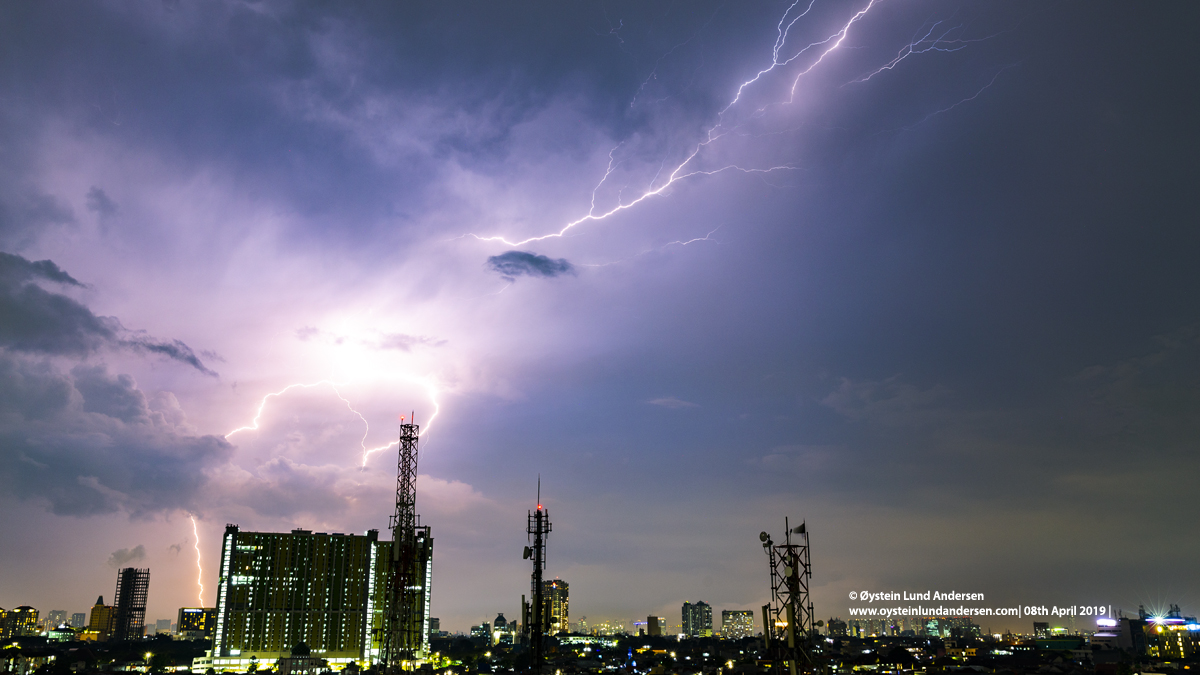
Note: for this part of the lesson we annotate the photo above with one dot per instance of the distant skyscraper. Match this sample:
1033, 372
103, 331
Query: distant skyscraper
100, 622
79, 620
655, 625
19, 621
503, 630
196, 623
555, 612
736, 624
56, 617
129, 613
697, 619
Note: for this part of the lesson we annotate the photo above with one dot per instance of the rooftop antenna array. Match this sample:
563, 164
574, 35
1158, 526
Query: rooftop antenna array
788, 627
535, 621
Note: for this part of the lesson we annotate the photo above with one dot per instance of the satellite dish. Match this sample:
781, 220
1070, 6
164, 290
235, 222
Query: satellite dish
528, 553
787, 571
763, 536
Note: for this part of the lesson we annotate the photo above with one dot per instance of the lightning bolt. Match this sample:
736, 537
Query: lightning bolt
707, 237
929, 37
199, 569
683, 170
927, 43
432, 390
253, 426
969, 98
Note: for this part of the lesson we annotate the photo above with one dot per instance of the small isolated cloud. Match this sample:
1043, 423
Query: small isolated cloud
175, 549
313, 333
405, 342
123, 557
100, 203
673, 403
513, 264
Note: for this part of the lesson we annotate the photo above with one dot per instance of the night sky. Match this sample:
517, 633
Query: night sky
928, 282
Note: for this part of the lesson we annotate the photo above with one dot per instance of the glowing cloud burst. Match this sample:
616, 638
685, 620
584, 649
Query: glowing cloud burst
428, 384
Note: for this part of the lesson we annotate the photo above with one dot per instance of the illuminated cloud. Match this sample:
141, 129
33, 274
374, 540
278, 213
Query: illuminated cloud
125, 556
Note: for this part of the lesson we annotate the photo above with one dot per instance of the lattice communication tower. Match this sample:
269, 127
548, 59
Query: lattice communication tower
402, 623
788, 620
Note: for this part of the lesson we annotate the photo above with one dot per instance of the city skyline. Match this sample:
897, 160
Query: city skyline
919, 275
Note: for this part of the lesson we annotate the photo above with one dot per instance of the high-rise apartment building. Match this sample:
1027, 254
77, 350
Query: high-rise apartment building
555, 606
736, 624
56, 618
329, 591
697, 619
129, 612
78, 620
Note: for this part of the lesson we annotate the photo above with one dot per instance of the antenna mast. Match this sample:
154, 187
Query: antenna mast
788, 626
535, 620
402, 638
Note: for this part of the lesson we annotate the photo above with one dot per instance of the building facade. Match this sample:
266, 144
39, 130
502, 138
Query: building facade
99, 622
129, 611
697, 619
18, 621
329, 591
196, 623
656, 626
736, 624
556, 606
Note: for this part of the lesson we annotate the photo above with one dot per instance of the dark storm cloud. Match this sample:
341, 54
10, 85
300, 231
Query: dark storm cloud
35, 320
124, 556
513, 264
87, 441
173, 349
25, 214
99, 203
90, 442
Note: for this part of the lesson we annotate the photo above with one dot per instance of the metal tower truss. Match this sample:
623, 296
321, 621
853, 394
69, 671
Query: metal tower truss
788, 620
403, 637
535, 620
